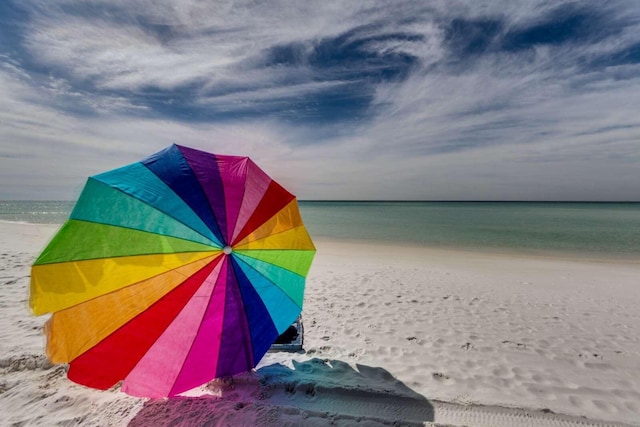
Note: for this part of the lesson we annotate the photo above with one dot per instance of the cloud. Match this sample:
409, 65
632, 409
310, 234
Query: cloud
432, 100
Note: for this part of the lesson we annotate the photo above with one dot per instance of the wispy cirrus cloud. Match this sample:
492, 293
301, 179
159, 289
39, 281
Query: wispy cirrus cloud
437, 100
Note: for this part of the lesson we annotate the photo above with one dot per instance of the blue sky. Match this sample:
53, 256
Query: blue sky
453, 100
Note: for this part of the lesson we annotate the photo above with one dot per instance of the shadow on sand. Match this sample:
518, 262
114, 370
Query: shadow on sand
314, 392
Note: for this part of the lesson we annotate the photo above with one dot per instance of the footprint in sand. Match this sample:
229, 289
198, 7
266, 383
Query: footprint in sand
65, 402
443, 378
503, 372
576, 401
632, 406
604, 406
598, 366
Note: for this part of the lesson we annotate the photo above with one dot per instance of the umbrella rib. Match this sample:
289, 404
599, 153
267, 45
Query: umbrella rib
213, 257
231, 228
270, 236
188, 353
247, 253
272, 282
213, 245
204, 194
127, 256
292, 223
243, 311
165, 212
236, 214
246, 204
267, 197
213, 214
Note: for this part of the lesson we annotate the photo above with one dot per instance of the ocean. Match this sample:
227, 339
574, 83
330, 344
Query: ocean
599, 230
594, 230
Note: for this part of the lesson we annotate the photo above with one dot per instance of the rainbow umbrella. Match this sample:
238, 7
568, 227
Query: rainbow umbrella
172, 271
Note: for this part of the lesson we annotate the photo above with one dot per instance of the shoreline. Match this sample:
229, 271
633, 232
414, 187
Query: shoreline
588, 257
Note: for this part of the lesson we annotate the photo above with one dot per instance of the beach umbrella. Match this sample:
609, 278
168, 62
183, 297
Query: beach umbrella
172, 271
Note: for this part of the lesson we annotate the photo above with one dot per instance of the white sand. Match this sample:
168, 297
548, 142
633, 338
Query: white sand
392, 335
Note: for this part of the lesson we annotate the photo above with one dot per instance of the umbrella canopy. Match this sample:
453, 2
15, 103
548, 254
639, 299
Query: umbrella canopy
172, 271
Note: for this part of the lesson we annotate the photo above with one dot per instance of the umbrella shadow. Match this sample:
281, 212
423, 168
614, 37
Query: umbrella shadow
313, 392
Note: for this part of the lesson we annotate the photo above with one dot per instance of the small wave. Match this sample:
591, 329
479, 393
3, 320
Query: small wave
7, 221
11, 222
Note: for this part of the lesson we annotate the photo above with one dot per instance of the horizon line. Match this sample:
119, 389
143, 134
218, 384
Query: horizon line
393, 201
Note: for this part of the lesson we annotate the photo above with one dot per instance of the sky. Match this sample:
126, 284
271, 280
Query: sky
336, 100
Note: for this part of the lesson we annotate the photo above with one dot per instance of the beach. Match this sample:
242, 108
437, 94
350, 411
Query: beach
402, 334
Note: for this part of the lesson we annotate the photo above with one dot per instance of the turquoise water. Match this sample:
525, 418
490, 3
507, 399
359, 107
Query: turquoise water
606, 230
